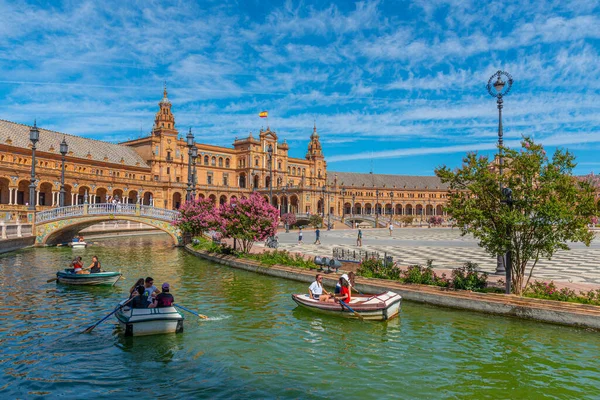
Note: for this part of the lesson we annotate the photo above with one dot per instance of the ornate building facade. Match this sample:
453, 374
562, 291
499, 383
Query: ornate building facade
153, 170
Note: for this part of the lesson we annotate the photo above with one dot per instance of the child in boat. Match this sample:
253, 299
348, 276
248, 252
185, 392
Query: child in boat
164, 299
139, 300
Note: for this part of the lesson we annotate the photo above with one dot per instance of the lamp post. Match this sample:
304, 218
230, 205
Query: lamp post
376, 208
190, 143
499, 89
328, 209
508, 199
392, 200
194, 176
352, 206
34, 136
343, 193
270, 154
64, 149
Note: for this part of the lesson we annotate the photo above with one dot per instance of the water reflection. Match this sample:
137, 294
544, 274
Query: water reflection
258, 344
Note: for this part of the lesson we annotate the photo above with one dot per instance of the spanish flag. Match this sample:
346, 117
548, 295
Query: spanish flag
263, 114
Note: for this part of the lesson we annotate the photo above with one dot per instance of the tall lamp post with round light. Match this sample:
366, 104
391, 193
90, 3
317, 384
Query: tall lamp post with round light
343, 193
64, 149
270, 156
194, 174
34, 136
377, 208
498, 89
190, 144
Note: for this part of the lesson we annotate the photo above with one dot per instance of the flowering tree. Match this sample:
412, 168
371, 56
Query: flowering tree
248, 220
541, 208
196, 217
288, 219
435, 220
315, 220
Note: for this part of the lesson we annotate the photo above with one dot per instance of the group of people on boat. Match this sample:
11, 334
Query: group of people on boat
94, 268
78, 239
343, 289
145, 295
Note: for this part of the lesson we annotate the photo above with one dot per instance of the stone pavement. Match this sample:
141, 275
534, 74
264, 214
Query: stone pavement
447, 249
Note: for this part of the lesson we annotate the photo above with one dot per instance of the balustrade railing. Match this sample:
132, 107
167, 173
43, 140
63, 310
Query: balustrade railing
106, 209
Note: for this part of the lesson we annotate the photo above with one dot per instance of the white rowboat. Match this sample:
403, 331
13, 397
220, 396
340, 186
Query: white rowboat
149, 321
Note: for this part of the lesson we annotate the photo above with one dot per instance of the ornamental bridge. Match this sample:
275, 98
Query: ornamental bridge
60, 225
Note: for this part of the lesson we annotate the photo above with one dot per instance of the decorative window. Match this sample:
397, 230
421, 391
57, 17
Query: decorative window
220, 161
227, 162
205, 160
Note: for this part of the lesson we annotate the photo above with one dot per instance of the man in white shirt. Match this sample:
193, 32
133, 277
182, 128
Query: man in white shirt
315, 290
391, 228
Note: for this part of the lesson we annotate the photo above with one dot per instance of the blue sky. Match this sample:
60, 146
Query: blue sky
397, 86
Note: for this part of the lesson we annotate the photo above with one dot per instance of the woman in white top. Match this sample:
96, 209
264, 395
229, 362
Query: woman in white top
316, 290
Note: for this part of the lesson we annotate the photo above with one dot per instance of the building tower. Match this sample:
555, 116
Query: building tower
164, 121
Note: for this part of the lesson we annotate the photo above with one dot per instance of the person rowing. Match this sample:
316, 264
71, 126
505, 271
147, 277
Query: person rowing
94, 268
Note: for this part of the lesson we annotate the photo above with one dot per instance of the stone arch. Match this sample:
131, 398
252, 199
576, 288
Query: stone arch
222, 199
284, 205
23, 192
398, 210
101, 195
347, 208
201, 195
368, 209
118, 195
419, 210
275, 201
227, 163
213, 199
68, 195
294, 204
439, 210
45, 194
242, 180
358, 209
148, 199
61, 231
205, 160
255, 181
132, 196
409, 210
233, 199
267, 181
4, 190
81, 192
177, 200
388, 209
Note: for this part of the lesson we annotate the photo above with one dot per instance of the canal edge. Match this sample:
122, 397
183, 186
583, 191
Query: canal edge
549, 311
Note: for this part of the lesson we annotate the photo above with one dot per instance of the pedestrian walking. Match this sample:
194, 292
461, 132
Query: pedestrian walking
359, 238
391, 228
317, 236
300, 236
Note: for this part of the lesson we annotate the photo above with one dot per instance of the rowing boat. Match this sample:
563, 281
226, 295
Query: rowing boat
78, 245
102, 278
379, 307
149, 321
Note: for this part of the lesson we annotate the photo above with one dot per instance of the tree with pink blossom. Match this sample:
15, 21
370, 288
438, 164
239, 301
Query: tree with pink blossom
288, 219
248, 220
197, 216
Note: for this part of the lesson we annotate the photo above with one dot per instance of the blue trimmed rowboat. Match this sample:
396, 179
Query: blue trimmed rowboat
378, 307
149, 321
103, 278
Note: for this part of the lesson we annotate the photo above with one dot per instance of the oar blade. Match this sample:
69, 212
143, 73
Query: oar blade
52, 280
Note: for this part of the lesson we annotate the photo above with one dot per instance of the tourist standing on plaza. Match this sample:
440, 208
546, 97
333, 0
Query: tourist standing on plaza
391, 228
300, 236
317, 236
359, 238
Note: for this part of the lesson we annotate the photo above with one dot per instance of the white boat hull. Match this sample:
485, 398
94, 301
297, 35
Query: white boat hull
78, 245
149, 321
380, 307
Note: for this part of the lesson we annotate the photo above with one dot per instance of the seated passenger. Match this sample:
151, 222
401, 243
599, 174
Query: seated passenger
75, 240
344, 295
139, 300
80, 238
164, 299
316, 290
95, 267
133, 290
77, 265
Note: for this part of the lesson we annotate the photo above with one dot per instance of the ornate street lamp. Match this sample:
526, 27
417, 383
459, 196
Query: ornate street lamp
190, 143
392, 200
194, 176
34, 136
343, 192
352, 205
270, 155
323, 205
64, 149
499, 89
508, 199
376, 208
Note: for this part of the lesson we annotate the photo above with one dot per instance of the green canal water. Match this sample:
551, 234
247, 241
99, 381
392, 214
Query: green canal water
257, 344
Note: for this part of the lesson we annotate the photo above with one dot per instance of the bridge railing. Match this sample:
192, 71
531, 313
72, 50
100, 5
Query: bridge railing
159, 213
105, 209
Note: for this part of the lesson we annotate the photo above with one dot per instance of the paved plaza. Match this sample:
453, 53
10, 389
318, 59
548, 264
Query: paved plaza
448, 249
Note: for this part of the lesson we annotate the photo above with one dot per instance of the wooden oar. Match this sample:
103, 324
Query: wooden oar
91, 328
190, 311
351, 310
52, 280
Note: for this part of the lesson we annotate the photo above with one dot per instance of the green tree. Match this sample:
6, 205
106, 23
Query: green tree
549, 206
315, 220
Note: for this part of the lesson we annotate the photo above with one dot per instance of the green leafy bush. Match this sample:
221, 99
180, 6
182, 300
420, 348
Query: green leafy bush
281, 257
549, 291
467, 278
375, 268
